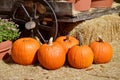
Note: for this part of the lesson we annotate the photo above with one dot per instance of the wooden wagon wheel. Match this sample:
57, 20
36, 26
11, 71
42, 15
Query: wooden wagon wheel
38, 18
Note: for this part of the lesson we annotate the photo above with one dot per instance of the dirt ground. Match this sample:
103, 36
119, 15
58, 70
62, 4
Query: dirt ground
109, 71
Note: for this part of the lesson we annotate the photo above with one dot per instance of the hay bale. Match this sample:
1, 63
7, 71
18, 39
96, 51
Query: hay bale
108, 26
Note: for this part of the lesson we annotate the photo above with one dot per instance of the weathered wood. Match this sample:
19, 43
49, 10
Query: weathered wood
6, 5
89, 14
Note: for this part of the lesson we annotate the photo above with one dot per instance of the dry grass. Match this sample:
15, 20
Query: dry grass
108, 26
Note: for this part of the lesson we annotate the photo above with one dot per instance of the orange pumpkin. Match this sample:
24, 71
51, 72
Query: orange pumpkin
51, 55
24, 51
80, 56
102, 51
67, 42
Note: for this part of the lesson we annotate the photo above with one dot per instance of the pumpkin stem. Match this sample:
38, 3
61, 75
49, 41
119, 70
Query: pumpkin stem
50, 41
81, 40
38, 40
67, 38
100, 39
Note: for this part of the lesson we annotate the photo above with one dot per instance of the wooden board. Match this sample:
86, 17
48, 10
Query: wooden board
92, 13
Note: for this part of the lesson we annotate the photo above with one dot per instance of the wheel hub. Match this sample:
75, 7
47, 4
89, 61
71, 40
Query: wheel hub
30, 25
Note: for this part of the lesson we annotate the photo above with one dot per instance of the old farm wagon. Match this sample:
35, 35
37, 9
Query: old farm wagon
44, 15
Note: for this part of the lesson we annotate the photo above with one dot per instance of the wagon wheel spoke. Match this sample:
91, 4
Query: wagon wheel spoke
42, 14
47, 28
47, 21
20, 13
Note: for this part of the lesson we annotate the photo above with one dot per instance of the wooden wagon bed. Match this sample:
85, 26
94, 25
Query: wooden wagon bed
73, 16
92, 13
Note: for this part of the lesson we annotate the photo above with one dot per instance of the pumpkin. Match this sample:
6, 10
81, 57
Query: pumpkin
52, 55
24, 51
80, 56
67, 42
102, 51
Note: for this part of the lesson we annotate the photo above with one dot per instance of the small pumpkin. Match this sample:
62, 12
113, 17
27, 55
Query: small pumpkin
24, 51
52, 55
102, 51
67, 42
80, 56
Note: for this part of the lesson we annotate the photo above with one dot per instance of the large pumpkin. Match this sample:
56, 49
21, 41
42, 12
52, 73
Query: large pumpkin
24, 51
67, 42
51, 55
80, 56
102, 51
